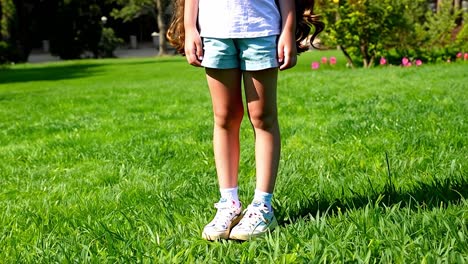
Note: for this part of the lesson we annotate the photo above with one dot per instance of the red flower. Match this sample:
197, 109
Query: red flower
459, 55
332, 60
419, 62
324, 60
465, 57
315, 65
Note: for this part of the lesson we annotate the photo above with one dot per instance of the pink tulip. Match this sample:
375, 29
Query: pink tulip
324, 60
465, 57
419, 62
332, 60
315, 65
404, 61
459, 55
409, 64
383, 61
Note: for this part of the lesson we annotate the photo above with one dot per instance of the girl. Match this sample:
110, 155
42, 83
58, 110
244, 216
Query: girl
243, 41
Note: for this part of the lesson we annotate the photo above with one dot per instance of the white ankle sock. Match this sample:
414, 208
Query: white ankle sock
263, 197
230, 194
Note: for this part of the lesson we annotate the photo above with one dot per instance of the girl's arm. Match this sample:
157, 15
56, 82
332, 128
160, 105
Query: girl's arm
287, 53
193, 43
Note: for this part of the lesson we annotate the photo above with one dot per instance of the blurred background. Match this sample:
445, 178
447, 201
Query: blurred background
365, 31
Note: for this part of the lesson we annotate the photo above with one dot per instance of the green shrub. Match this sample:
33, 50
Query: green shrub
109, 42
9, 53
461, 40
78, 29
9, 48
4, 47
365, 29
437, 29
435, 38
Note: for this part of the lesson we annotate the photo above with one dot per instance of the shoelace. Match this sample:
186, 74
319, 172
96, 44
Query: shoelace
223, 215
253, 215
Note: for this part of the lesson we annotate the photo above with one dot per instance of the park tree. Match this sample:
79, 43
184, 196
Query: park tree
133, 9
73, 27
367, 29
77, 28
8, 13
438, 27
16, 23
364, 29
442, 34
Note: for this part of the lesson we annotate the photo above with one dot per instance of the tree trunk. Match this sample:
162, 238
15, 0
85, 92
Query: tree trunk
371, 61
457, 6
365, 55
161, 6
346, 54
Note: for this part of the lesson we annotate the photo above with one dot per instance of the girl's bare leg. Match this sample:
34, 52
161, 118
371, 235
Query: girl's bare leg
260, 89
228, 109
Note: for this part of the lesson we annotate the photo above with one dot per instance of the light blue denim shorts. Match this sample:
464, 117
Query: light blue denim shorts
247, 54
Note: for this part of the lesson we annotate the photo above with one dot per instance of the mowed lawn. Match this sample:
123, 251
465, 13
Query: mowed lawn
110, 161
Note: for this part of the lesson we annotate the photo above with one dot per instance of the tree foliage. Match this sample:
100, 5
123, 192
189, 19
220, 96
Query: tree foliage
436, 36
15, 29
108, 43
439, 30
8, 13
133, 9
461, 41
438, 26
72, 26
78, 29
364, 29
367, 29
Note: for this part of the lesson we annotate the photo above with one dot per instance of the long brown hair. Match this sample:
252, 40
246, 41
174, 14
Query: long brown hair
176, 32
305, 21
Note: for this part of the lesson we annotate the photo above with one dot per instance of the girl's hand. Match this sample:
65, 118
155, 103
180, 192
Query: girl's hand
287, 53
193, 48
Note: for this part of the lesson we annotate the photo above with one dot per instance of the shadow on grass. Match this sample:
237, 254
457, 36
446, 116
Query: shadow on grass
438, 193
51, 72
143, 61
47, 73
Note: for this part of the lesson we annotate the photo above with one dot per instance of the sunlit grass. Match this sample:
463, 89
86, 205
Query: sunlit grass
111, 161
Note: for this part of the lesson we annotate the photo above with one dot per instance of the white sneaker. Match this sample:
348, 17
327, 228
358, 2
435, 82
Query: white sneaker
227, 216
256, 221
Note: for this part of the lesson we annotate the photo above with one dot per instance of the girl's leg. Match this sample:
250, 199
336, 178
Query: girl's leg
260, 90
228, 109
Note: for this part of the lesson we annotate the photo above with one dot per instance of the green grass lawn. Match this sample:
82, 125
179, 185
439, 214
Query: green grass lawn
109, 161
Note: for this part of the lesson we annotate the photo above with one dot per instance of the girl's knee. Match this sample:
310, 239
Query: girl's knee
228, 118
263, 121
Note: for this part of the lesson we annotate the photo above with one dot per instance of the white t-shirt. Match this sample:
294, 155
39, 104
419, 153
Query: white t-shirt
238, 18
